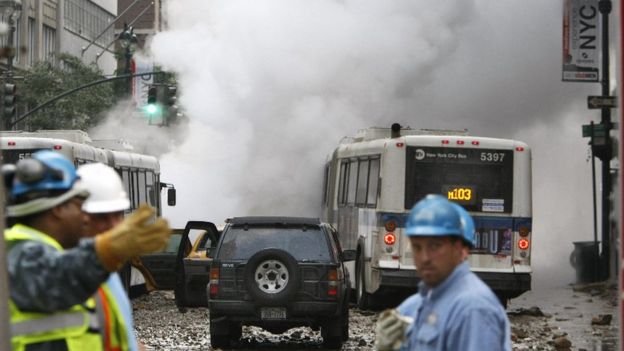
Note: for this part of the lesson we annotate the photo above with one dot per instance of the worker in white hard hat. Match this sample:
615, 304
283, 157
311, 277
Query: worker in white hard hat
105, 207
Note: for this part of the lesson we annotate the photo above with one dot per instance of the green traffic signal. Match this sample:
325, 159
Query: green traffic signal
151, 109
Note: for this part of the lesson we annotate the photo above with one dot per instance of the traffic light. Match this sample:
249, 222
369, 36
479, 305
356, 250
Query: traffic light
170, 103
152, 95
9, 98
152, 108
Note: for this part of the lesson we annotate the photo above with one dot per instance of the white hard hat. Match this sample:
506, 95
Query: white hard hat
106, 189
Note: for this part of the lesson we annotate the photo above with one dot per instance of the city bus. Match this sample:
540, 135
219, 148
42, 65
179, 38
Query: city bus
140, 174
373, 179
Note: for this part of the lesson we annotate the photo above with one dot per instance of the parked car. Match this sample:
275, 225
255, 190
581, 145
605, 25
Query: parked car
183, 266
278, 273
158, 268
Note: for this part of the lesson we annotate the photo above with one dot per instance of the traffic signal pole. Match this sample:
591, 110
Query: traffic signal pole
605, 117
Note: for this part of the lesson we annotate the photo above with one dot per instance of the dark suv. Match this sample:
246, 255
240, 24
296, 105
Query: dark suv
278, 273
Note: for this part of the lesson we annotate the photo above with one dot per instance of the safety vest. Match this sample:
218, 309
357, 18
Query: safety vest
96, 325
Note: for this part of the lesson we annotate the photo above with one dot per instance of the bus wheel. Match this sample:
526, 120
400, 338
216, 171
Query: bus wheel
362, 298
504, 300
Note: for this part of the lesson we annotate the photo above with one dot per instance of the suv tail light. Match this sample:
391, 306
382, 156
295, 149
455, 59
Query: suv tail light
332, 277
214, 281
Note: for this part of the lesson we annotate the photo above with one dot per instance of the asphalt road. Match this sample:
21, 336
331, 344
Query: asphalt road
567, 316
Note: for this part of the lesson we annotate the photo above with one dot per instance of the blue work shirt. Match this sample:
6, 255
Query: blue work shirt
125, 307
461, 313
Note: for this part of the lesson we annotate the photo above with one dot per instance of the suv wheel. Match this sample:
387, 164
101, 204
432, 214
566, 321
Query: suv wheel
272, 277
363, 299
345, 321
333, 333
219, 333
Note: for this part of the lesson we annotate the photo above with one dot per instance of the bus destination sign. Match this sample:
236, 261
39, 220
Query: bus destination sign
462, 194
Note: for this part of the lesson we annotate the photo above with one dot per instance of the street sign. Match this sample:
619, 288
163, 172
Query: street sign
599, 130
594, 102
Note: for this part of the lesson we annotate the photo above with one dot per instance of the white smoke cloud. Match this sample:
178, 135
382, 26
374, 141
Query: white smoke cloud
285, 80
271, 86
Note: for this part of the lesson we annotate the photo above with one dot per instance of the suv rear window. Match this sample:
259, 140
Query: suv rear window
304, 245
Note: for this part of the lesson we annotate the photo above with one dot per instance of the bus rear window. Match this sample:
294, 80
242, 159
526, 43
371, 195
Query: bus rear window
481, 180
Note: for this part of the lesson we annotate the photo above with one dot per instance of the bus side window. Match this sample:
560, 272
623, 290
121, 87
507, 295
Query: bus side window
325, 184
125, 177
342, 184
141, 187
362, 184
134, 175
149, 182
351, 187
373, 183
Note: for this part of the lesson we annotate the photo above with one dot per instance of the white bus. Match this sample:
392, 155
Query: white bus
140, 174
372, 180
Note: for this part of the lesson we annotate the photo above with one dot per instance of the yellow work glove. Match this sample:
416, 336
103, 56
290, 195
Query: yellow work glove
390, 330
134, 236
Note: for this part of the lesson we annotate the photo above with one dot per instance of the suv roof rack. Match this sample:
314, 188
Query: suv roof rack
263, 220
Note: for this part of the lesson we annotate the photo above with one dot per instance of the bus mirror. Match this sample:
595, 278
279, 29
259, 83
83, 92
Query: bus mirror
171, 197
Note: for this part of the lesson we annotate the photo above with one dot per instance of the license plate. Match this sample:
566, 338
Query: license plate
273, 313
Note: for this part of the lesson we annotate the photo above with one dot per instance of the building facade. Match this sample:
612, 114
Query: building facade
82, 28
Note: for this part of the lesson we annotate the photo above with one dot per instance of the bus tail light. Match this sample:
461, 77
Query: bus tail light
389, 238
519, 148
445, 142
11, 143
475, 142
523, 244
57, 147
390, 225
460, 142
214, 281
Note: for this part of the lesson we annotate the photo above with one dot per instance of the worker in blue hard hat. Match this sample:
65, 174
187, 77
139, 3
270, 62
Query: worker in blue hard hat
54, 272
453, 309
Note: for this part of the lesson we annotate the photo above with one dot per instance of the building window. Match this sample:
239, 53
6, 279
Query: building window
88, 20
17, 39
32, 39
49, 42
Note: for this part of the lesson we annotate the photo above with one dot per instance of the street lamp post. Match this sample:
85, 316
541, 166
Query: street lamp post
10, 10
128, 42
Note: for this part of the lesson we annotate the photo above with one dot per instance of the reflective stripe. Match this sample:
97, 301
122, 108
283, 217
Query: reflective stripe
103, 312
99, 308
56, 321
21, 232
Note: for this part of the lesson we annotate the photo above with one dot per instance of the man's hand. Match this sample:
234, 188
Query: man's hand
390, 330
134, 236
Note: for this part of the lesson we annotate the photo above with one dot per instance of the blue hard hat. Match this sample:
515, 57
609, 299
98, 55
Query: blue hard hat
46, 170
434, 216
467, 225
42, 182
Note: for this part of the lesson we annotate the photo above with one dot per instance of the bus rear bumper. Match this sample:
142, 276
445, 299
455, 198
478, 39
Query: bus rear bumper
509, 284
400, 278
